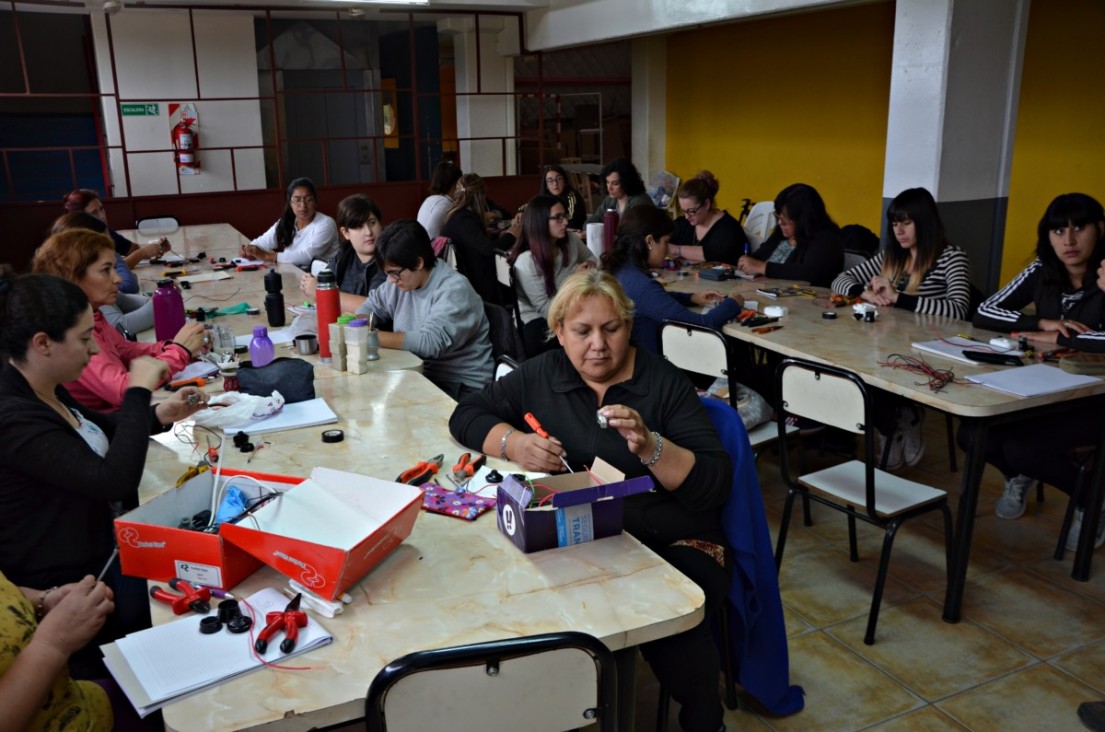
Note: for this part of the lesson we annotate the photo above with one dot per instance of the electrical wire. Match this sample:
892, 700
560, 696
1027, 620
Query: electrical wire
935, 379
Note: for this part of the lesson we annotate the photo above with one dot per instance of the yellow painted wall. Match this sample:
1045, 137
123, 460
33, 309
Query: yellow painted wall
1060, 137
794, 98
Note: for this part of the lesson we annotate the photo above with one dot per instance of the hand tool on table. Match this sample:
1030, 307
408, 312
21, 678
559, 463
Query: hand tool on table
198, 381
466, 468
289, 620
421, 472
542, 432
196, 599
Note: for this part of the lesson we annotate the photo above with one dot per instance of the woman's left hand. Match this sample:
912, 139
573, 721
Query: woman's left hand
751, 265
252, 251
630, 425
181, 405
703, 298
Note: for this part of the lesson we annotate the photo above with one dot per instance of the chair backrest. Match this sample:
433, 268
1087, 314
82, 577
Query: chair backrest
825, 394
505, 338
508, 293
502, 270
851, 259
760, 223
157, 225
444, 249
700, 350
503, 366
555, 681
317, 265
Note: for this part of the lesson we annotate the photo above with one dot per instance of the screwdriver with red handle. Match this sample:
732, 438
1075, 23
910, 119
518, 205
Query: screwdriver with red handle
542, 432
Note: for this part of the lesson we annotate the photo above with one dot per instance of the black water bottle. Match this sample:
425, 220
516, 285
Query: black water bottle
274, 300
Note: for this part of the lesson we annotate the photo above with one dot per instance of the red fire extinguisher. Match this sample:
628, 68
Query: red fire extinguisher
185, 143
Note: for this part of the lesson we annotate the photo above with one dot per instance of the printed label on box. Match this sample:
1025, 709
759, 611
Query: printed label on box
574, 525
199, 574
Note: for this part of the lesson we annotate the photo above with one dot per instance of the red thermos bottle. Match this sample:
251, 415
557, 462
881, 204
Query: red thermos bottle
328, 303
609, 230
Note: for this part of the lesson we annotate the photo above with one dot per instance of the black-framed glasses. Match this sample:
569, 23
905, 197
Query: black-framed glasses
395, 274
554, 181
559, 218
691, 211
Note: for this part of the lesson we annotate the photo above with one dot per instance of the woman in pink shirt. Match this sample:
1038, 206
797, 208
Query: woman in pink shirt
87, 259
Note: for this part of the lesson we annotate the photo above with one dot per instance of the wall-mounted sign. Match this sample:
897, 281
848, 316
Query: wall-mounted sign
141, 110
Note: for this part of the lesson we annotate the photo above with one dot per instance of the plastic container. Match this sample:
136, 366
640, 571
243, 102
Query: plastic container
609, 229
328, 300
356, 333
168, 310
274, 300
261, 349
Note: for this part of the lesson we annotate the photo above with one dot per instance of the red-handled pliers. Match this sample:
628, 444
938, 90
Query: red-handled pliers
289, 620
467, 467
422, 472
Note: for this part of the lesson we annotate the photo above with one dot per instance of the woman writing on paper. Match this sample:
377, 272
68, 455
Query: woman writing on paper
655, 425
355, 266
1066, 284
805, 244
301, 235
85, 258
63, 465
543, 257
642, 245
705, 233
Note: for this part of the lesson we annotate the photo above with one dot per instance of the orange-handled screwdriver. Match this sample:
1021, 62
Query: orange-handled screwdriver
542, 432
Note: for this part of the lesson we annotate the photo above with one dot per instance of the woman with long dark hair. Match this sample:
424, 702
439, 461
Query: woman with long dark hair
624, 188
806, 243
556, 182
466, 227
356, 267
301, 234
543, 257
642, 244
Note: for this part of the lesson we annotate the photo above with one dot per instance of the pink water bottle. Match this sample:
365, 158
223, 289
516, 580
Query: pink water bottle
168, 310
609, 230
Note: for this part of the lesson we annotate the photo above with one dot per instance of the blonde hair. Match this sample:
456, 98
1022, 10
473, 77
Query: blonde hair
471, 194
68, 254
589, 283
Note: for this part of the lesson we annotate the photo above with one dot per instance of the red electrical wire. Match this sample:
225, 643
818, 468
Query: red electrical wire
936, 379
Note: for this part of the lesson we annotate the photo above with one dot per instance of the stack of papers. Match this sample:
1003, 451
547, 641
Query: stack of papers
954, 346
310, 413
169, 662
1033, 380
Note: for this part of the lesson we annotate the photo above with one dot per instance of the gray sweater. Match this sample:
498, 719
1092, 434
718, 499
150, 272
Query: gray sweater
444, 325
533, 301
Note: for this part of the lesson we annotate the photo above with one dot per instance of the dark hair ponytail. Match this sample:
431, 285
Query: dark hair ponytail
36, 303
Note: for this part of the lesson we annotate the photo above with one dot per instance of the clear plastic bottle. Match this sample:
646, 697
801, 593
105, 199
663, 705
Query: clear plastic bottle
168, 310
261, 349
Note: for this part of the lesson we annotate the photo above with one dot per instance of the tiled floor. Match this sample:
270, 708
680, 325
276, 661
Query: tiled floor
1030, 647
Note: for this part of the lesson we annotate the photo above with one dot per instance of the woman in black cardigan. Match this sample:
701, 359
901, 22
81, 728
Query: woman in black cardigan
806, 243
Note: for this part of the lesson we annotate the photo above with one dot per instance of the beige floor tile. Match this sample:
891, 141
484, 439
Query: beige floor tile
1038, 698
796, 626
1043, 618
1059, 573
933, 658
843, 692
824, 587
1024, 540
1087, 664
928, 719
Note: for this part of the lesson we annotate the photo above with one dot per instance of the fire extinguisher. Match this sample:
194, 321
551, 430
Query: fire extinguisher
185, 143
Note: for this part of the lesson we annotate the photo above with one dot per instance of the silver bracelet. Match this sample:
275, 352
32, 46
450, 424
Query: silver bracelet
502, 444
655, 453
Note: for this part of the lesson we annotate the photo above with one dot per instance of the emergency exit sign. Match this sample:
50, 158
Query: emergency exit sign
141, 110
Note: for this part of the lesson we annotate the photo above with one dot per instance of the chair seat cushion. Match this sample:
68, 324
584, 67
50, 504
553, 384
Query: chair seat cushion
893, 495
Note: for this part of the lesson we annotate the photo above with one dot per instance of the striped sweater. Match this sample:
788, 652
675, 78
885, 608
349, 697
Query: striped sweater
945, 290
1002, 310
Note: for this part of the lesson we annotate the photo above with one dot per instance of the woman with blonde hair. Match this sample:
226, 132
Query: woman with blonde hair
706, 233
466, 227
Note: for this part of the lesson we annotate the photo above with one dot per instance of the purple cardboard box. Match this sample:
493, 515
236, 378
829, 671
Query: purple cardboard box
578, 511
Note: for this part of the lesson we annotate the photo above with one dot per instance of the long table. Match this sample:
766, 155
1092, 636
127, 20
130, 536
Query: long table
864, 348
451, 582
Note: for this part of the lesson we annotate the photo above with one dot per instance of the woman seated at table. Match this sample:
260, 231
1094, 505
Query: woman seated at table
804, 246
355, 266
128, 254
432, 212
432, 311
301, 234
624, 189
705, 233
556, 182
132, 312
466, 227
1066, 286
86, 259
62, 465
545, 254
656, 426
917, 269
642, 245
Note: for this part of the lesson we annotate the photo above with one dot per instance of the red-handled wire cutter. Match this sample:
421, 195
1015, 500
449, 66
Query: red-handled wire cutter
289, 620
421, 472
196, 599
467, 467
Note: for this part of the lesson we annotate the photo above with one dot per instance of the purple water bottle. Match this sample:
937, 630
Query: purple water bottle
609, 229
168, 310
261, 350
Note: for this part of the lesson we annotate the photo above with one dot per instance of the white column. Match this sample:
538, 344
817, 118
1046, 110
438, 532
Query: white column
649, 91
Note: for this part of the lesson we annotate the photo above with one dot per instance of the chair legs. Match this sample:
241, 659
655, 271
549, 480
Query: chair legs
784, 525
880, 580
952, 465
853, 545
1068, 517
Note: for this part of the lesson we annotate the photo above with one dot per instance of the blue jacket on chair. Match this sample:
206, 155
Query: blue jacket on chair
756, 629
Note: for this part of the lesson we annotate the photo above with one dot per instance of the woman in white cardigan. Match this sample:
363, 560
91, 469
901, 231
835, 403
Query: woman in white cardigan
301, 234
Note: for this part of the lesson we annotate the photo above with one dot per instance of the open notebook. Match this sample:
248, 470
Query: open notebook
169, 662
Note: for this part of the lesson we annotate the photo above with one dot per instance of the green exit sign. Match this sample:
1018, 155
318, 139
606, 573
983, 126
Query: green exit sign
141, 110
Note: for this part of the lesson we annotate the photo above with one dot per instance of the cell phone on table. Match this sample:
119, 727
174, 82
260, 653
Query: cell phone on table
999, 359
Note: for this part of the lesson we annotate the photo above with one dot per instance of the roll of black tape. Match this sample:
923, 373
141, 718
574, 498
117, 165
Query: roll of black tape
829, 315
333, 436
210, 624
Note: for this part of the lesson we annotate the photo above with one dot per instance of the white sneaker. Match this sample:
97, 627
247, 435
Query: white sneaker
1012, 502
895, 460
910, 427
1076, 531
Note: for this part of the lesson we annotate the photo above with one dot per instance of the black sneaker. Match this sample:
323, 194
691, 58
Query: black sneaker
1092, 715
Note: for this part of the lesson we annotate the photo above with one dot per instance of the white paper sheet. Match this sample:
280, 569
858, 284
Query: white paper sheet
1033, 380
953, 347
283, 335
310, 413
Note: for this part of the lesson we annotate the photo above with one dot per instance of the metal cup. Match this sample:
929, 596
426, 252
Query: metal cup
372, 345
306, 344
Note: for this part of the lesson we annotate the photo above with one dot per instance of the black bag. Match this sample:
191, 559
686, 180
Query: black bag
294, 378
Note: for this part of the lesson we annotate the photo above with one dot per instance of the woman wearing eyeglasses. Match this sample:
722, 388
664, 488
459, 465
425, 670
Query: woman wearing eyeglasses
705, 233
301, 235
543, 257
806, 243
556, 183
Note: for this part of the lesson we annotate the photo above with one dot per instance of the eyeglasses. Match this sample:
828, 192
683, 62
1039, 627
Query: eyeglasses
559, 218
782, 218
304, 200
395, 274
554, 181
691, 211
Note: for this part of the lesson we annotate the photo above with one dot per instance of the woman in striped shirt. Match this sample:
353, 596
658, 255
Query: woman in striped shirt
916, 270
